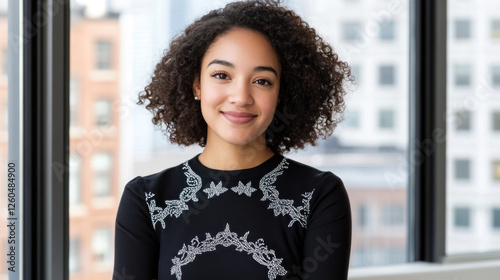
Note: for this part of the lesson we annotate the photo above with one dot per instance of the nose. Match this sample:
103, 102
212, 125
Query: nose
241, 94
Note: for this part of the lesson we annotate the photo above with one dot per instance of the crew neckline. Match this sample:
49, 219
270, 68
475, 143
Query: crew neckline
238, 174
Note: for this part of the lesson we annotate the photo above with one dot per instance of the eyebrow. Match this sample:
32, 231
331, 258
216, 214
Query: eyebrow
255, 69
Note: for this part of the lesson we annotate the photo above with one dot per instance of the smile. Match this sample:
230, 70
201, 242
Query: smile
238, 117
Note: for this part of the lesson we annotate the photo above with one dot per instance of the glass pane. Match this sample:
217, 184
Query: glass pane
95, 135
4, 231
369, 150
473, 120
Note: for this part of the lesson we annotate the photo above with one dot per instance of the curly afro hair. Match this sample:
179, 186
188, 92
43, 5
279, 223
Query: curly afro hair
312, 85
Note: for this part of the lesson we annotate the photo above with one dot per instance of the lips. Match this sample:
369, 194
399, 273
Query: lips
238, 117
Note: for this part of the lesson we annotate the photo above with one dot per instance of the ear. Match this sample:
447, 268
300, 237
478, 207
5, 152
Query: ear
196, 87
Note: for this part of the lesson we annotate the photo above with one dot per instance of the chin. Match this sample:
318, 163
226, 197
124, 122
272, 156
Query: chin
240, 141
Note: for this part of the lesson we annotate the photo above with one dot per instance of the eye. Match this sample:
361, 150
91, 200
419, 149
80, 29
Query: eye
263, 82
220, 75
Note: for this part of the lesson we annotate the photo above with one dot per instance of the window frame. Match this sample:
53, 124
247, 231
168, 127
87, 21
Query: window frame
44, 155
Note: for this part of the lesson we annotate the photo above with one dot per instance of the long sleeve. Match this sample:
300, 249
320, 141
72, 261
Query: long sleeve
136, 246
327, 242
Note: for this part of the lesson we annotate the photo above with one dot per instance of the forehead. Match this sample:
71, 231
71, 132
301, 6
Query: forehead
242, 46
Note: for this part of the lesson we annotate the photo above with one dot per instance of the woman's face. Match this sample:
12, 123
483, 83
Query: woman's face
238, 87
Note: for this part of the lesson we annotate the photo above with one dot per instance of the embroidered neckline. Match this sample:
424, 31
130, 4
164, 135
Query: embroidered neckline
259, 251
175, 208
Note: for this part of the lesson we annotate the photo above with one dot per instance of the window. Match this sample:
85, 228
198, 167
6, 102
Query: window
462, 74
102, 165
102, 111
356, 72
462, 29
75, 189
364, 213
496, 170
462, 217
495, 29
74, 256
470, 148
74, 101
463, 120
101, 245
496, 121
495, 218
495, 75
387, 30
352, 119
351, 31
393, 214
462, 169
386, 75
103, 55
481, 57
386, 119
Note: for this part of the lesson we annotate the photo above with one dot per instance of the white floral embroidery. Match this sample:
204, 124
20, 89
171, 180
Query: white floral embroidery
284, 206
175, 207
279, 206
214, 190
244, 189
226, 238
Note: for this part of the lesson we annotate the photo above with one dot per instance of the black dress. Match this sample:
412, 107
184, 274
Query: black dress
279, 220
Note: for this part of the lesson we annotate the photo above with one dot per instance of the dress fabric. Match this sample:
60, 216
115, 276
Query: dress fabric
279, 220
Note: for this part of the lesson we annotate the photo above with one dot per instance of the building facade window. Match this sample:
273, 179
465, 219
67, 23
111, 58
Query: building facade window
462, 29
102, 168
393, 214
352, 119
461, 217
495, 218
462, 75
101, 245
496, 170
386, 119
462, 169
463, 120
387, 30
356, 72
103, 55
495, 29
386, 75
102, 112
74, 256
363, 215
496, 121
495, 75
351, 31
75, 189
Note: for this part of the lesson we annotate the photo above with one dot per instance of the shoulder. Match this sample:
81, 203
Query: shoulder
304, 173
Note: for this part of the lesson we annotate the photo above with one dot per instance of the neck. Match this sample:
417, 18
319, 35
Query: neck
233, 157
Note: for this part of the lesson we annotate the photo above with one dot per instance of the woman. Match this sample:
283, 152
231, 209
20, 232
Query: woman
247, 82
